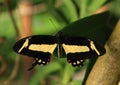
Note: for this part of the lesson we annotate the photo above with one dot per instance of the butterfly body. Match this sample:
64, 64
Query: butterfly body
41, 47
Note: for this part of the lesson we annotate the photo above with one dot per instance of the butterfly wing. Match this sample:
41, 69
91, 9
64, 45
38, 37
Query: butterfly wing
78, 49
40, 47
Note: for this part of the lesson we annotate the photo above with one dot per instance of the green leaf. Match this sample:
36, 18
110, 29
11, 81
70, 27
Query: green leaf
115, 7
95, 5
76, 82
67, 74
94, 27
72, 10
43, 72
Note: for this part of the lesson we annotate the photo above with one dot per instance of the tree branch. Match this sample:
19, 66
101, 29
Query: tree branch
106, 70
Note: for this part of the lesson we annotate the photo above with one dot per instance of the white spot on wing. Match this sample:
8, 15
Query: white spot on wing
43, 47
39, 61
75, 48
81, 60
43, 62
36, 58
78, 62
24, 45
93, 47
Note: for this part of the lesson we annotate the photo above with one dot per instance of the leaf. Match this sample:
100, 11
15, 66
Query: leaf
43, 72
95, 5
93, 27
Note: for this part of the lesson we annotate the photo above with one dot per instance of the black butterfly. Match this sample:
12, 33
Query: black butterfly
41, 47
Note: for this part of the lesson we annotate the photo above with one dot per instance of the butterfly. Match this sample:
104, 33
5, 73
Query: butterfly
41, 47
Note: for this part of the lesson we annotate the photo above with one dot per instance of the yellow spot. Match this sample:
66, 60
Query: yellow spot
93, 47
24, 45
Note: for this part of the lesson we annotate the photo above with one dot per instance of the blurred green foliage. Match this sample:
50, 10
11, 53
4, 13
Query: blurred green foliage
115, 7
64, 17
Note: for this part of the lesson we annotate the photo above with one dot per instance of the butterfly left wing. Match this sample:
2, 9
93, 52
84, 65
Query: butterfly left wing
40, 47
78, 49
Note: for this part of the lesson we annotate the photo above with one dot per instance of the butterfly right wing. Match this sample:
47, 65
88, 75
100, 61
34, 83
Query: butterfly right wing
78, 49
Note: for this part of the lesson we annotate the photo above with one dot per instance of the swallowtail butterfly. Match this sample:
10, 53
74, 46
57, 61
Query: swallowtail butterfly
41, 47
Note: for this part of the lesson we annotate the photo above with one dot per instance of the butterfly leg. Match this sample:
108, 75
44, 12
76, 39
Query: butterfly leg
33, 65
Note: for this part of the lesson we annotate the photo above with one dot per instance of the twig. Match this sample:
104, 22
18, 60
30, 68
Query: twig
106, 70
7, 4
16, 65
4, 65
